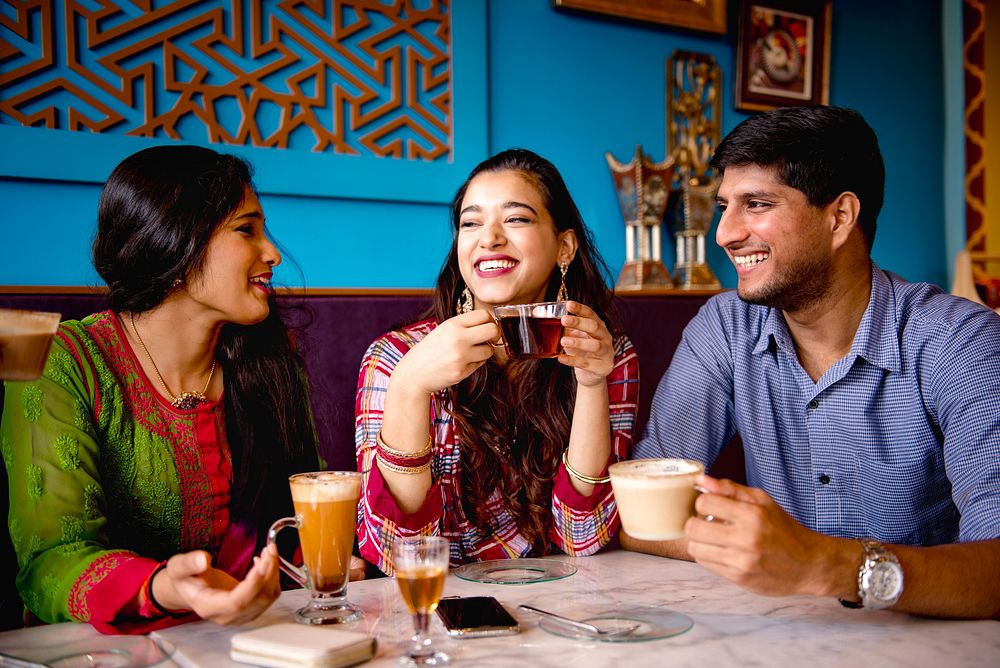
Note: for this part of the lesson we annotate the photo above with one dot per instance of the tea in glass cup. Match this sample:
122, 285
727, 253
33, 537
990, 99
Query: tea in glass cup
326, 512
25, 338
531, 331
421, 564
655, 497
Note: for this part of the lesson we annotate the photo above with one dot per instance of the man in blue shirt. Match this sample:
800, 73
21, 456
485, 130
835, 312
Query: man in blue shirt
868, 407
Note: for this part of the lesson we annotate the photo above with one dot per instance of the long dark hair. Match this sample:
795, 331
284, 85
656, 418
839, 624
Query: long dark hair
520, 420
157, 212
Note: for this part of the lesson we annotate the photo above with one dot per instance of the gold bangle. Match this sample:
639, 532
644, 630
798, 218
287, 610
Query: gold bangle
593, 480
405, 470
399, 453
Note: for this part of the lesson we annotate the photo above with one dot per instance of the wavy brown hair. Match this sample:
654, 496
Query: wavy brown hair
519, 418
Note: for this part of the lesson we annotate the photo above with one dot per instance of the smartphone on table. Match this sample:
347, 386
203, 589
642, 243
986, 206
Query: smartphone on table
476, 617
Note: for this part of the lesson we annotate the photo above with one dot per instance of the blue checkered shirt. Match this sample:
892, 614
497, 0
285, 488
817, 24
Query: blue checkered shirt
898, 441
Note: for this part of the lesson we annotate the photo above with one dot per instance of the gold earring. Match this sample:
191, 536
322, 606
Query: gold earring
177, 281
561, 297
464, 303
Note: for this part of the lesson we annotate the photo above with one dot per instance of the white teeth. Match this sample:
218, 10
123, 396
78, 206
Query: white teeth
495, 265
259, 279
750, 260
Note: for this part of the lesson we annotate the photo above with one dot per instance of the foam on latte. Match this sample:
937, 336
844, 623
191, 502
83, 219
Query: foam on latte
325, 486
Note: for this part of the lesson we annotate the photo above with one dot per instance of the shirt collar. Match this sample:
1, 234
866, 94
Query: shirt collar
873, 341
876, 341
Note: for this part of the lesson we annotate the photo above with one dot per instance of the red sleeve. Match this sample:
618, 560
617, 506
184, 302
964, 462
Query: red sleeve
112, 599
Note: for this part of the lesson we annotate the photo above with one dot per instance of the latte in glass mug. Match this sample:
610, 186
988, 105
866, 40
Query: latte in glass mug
655, 496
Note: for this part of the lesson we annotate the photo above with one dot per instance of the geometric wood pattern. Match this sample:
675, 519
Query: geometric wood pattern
351, 77
973, 64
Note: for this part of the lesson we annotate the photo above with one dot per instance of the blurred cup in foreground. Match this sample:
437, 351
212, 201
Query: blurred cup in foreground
531, 331
25, 337
655, 496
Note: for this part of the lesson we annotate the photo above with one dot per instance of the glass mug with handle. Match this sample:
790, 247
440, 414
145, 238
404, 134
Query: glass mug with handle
326, 511
421, 564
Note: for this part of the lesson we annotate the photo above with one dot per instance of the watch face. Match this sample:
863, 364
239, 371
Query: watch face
886, 581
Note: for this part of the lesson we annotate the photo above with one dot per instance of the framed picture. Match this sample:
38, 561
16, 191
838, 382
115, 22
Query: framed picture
782, 53
704, 15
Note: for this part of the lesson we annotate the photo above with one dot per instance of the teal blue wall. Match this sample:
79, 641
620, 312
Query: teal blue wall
571, 87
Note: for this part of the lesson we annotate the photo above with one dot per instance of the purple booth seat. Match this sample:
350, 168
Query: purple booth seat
338, 327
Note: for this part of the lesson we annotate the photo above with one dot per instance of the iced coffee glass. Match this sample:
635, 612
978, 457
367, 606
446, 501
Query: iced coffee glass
326, 511
25, 337
655, 496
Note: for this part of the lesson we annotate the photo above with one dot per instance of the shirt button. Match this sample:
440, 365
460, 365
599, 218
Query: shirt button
824, 478
813, 404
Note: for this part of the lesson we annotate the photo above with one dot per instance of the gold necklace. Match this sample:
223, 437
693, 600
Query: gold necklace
187, 400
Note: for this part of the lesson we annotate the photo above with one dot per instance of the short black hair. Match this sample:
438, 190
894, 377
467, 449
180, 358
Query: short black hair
818, 150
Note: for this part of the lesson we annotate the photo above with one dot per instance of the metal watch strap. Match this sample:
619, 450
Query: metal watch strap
875, 554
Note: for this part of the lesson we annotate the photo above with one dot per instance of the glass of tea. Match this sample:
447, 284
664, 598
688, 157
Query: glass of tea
326, 511
421, 564
25, 337
531, 331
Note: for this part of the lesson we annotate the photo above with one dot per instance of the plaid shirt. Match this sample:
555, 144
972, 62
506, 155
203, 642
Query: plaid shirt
581, 524
898, 441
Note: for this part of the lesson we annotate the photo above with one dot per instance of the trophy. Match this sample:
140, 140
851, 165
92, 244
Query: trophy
693, 116
643, 189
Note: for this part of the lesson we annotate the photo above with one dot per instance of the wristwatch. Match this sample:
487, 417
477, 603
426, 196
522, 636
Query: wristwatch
880, 579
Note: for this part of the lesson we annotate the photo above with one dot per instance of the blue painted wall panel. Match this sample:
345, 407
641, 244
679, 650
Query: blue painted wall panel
570, 86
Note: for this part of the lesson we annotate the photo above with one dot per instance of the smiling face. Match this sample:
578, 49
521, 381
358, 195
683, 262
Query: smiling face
780, 244
507, 242
235, 277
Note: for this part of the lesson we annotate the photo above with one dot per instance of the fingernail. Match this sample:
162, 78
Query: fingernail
701, 490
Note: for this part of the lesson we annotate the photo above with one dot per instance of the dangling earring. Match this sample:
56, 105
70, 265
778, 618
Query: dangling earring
561, 297
177, 281
464, 303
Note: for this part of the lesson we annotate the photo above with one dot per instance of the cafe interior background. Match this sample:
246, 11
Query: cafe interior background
356, 182
362, 118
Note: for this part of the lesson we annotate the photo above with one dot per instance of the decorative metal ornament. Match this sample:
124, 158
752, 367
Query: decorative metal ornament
465, 302
562, 295
643, 188
185, 401
693, 131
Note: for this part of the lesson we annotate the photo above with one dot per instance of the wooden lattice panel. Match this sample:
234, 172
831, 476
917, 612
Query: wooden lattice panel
353, 77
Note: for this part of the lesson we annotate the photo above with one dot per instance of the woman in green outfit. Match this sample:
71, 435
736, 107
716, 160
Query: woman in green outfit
147, 462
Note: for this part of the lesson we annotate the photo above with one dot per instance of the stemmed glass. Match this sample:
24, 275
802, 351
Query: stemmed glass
421, 564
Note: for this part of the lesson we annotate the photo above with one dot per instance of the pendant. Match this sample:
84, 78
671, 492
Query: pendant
188, 401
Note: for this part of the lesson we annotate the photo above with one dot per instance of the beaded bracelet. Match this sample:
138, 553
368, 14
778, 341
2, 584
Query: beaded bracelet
399, 454
593, 480
407, 463
405, 470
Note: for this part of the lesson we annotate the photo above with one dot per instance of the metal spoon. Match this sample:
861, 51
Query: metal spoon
577, 625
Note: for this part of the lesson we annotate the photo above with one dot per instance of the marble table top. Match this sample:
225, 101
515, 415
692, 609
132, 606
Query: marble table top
732, 627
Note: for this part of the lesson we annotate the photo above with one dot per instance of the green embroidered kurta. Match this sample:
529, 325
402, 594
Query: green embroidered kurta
107, 479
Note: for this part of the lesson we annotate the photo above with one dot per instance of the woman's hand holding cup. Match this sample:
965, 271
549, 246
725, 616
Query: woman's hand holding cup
450, 353
587, 344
